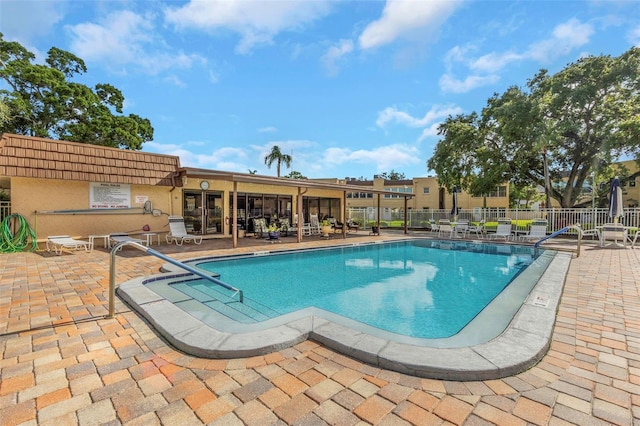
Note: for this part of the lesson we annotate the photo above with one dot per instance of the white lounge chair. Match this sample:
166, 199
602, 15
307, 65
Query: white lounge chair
503, 231
537, 232
178, 232
57, 243
613, 232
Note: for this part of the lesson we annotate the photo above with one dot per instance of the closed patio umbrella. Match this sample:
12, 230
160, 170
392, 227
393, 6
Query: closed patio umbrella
454, 209
615, 200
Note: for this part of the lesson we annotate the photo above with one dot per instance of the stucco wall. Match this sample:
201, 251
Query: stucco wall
31, 195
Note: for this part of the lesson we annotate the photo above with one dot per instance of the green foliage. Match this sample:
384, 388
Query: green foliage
581, 119
278, 157
295, 175
393, 175
528, 194
45, 102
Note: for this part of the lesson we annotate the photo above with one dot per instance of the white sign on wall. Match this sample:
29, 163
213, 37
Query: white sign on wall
109, 195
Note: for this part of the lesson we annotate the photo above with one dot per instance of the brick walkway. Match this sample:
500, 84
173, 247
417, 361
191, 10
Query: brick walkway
63, 363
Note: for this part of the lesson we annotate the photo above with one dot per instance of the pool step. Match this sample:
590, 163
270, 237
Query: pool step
226, 303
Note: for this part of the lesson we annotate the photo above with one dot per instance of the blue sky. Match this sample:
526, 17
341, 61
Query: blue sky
347, 88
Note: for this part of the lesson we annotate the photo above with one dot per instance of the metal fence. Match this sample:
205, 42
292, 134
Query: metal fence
557, 218
5, 209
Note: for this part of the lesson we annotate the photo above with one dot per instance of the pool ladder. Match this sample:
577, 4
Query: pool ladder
195, 271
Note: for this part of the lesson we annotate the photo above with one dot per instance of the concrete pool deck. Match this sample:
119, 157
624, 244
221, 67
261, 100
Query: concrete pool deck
64, 363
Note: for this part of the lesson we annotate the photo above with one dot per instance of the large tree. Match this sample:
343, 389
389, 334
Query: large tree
564, 126
278, 157
43, 101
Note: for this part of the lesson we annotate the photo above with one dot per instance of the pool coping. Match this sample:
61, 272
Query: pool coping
521, 345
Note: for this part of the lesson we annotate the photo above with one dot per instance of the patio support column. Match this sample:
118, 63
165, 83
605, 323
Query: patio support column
405, 216
344, 214
300, 218
234, 219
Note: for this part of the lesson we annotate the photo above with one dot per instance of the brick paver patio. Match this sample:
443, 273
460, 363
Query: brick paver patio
63, 363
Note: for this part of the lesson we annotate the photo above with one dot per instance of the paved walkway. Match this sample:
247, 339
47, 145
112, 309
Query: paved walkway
63, 363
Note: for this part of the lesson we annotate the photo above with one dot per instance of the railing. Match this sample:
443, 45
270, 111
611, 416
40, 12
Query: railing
557, 218
5, 209
195, 271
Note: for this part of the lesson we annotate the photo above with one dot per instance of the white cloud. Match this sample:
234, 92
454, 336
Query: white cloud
126, 38
257, 22
383, 158
566, 37
268, 129
28, 19
450, 84
634, 36
403, 18
436, 113
334, 54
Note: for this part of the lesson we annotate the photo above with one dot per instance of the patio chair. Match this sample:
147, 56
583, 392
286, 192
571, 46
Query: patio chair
57, 243
314, 225
352, 226
613, 232
338, 226
433, 226
462, 227
178, 232
477, 228
444, 227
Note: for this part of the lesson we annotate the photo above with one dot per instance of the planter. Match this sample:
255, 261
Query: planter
274, 235
325, 230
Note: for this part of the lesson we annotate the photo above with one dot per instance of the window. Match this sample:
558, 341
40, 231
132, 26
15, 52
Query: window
405, 190
501, 191
425, 190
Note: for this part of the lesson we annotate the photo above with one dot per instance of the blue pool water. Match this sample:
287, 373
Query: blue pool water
420, 288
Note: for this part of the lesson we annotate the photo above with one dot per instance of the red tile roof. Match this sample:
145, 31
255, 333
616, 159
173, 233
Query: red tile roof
26, 156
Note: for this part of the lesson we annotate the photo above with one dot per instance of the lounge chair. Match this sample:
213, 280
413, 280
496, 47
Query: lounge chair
503, 231
433, 226
613, 232
122, 237
178, 232
352, 226
537, 231
57, 243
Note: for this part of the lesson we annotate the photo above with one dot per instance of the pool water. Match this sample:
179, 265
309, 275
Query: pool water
421, 288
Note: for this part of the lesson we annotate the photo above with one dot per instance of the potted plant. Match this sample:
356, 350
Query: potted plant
325, 227
274, 231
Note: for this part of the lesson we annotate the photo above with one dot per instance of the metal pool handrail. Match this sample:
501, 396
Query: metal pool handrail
562, 231
195, 271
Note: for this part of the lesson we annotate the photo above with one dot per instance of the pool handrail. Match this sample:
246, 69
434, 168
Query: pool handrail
562, 231
148, 250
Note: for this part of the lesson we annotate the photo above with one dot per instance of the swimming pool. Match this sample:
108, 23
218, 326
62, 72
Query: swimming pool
510, 333
424, 289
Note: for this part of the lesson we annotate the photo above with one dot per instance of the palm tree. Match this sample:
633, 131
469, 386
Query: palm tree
277, 156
